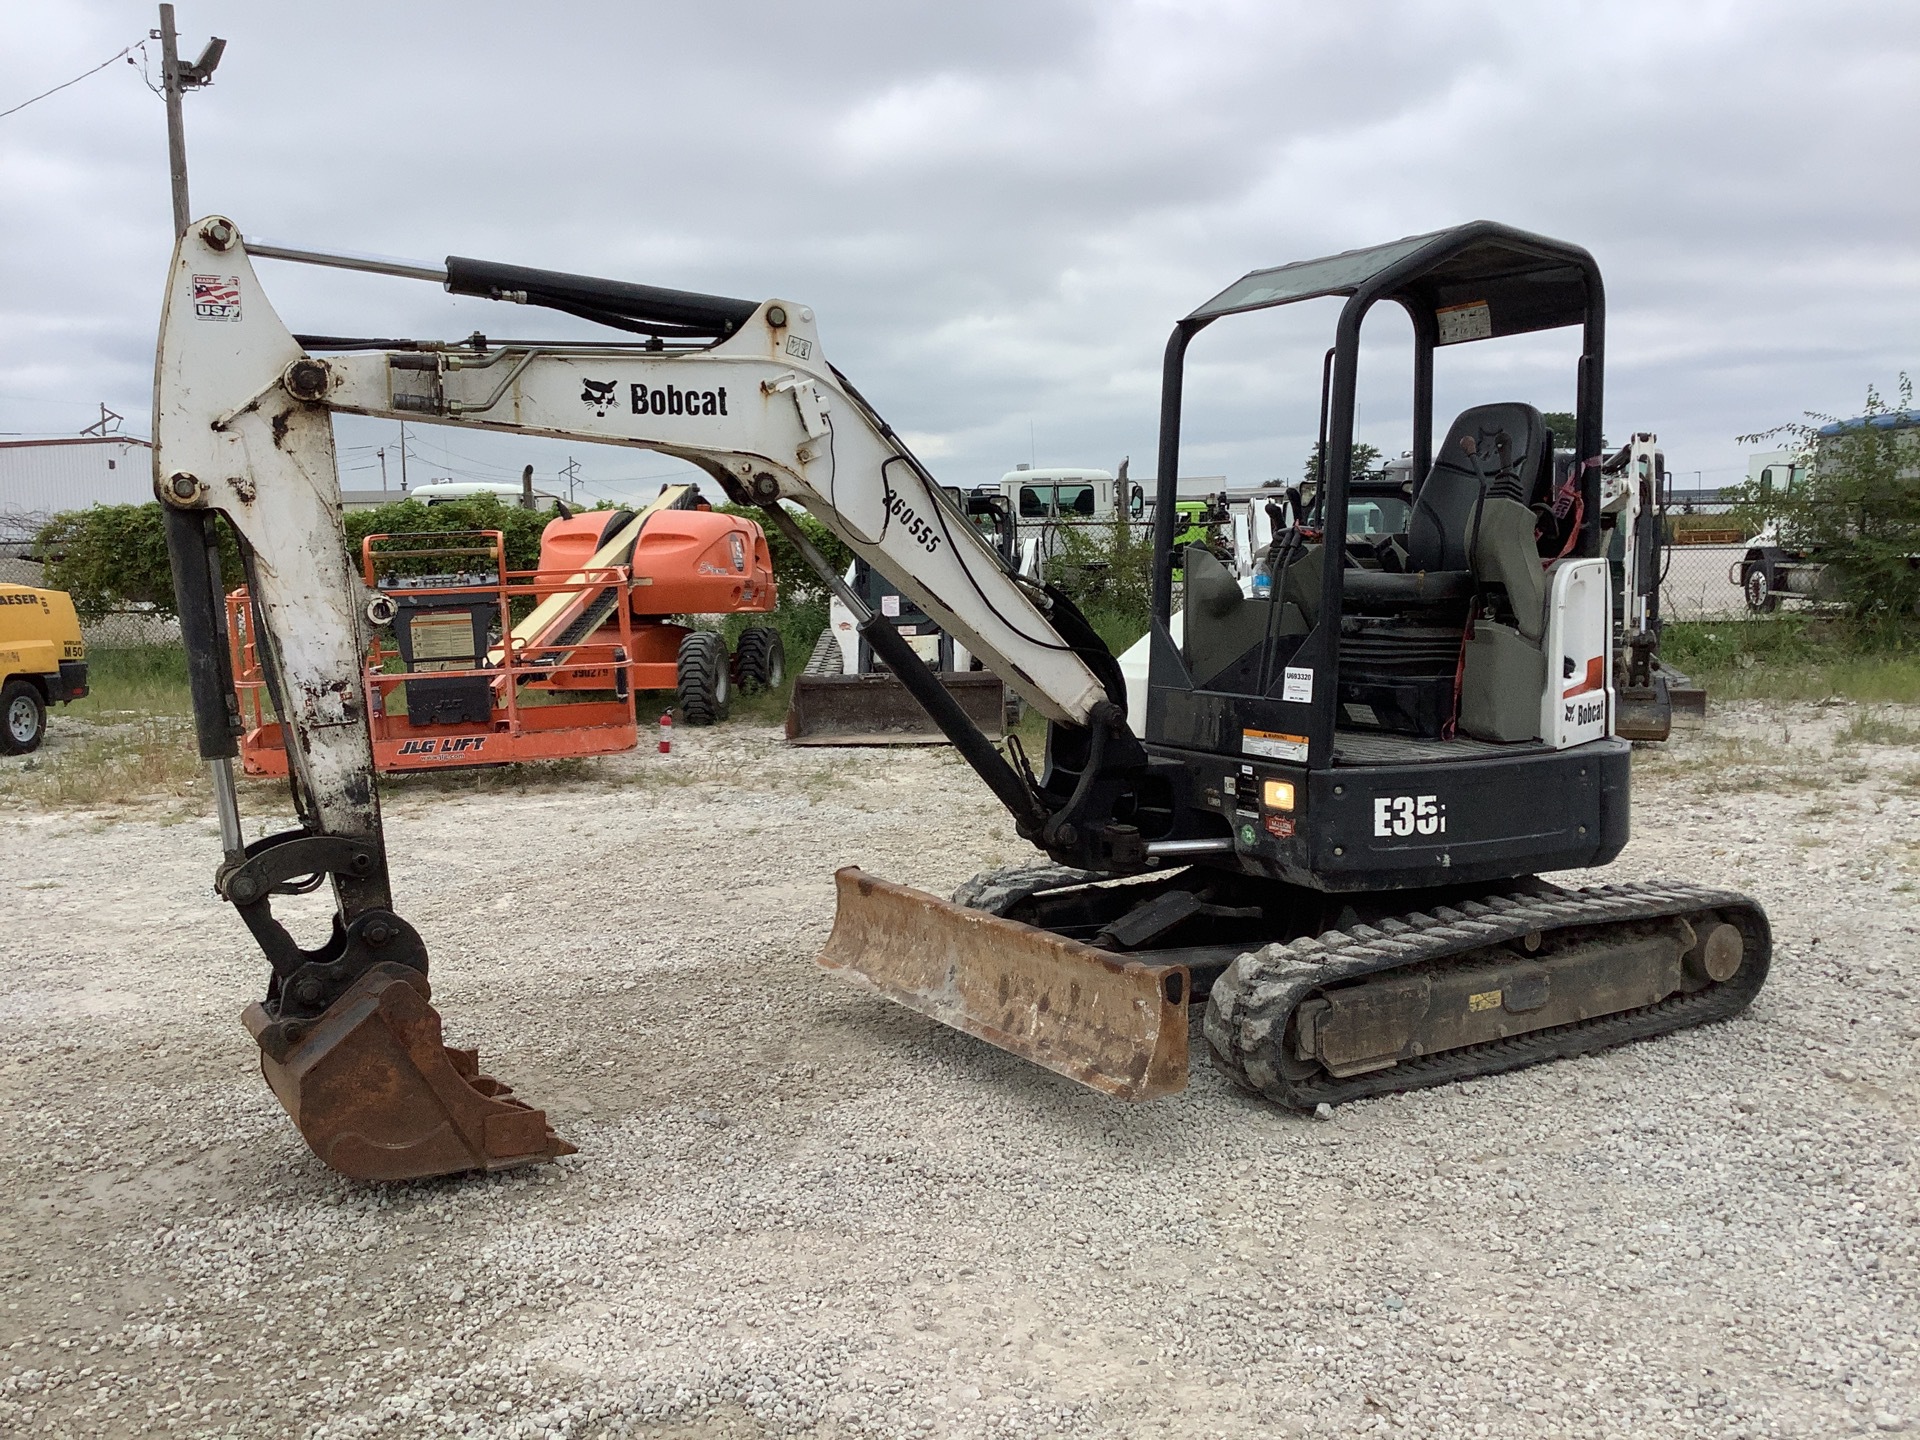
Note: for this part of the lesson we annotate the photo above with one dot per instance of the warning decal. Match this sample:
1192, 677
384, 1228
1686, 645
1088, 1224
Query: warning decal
1273, 745
1464, 322
216, 297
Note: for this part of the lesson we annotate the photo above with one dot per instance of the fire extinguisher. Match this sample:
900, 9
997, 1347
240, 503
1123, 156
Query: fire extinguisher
666, 732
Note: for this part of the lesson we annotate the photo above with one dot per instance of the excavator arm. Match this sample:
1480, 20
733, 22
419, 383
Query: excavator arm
243, 431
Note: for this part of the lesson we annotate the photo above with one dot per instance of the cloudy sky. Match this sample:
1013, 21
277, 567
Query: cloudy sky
999, 209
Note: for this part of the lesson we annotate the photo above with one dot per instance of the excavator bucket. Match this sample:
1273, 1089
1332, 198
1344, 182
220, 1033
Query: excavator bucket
378, 1096
1643, 712
1119, 1026
876, 709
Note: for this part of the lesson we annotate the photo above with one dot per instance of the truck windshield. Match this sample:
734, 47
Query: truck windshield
1377, 515
1076, 500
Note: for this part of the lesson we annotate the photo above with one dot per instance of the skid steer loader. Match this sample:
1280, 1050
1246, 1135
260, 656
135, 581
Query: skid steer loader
1325, 829
847, 696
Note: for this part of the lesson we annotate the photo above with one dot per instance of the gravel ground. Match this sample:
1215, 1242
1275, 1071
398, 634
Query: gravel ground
799, 1211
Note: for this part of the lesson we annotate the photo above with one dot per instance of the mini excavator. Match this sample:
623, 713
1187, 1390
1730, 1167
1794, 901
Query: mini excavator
1325, 834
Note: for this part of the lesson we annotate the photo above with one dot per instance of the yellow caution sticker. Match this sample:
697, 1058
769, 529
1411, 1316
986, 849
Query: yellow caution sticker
1485, 1000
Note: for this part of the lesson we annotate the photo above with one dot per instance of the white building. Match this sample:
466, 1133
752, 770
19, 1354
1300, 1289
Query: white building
41, 478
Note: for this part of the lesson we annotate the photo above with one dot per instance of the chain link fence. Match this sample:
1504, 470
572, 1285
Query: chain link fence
1696, 584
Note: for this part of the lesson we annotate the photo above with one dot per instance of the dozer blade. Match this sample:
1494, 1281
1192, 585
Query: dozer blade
1118, 1026
379, 1097
877, 709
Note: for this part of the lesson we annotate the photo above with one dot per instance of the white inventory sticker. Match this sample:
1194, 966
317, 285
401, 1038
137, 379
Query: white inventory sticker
890, 606
1464, 322
1297, 688
1273, 745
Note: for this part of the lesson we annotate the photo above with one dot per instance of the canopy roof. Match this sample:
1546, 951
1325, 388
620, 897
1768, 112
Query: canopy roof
1478, 280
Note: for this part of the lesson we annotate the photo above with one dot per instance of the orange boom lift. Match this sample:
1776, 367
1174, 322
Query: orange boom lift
597, 625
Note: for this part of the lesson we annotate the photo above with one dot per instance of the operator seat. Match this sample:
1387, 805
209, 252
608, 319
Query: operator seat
1509, 466
1471, 532
1492, 452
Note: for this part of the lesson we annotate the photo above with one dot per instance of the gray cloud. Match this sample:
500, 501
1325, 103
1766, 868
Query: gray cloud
998, 210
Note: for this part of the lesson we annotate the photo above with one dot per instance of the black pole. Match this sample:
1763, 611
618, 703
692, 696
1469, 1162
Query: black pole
192, 549
1165, 495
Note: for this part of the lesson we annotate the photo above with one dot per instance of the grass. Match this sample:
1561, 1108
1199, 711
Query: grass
142, 680
130, 740
1871, 727
150, 758
1795, 657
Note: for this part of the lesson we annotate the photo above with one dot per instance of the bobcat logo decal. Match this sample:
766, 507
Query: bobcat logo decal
598, 394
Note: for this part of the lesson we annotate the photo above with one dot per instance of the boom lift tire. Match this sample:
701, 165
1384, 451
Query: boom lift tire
760, 660
705, 692
23, 718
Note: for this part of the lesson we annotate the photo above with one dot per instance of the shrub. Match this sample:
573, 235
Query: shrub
113, 557
1108, 570
1857, 510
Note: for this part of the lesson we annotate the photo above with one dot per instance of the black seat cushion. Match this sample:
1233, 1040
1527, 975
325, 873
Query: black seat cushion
1502, 450
1373, 587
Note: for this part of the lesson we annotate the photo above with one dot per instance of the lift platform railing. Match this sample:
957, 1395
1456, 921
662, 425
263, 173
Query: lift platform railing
463, 697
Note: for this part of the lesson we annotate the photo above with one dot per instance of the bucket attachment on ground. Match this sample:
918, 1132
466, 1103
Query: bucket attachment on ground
1643, 712
876, 709
379, 1097
1116, 1025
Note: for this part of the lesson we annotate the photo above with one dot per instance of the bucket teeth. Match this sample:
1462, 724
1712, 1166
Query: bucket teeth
377, 1096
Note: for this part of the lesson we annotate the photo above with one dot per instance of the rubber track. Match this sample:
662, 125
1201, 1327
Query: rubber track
825, 659
1247, 1015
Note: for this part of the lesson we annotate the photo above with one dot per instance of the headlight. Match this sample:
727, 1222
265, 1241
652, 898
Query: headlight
1277, 794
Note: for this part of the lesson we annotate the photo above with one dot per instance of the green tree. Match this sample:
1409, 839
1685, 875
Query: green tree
1108, 571
1364, 465
1858, 508
520, 529
111, 557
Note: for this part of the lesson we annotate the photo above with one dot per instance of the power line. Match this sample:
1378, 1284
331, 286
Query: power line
121, 55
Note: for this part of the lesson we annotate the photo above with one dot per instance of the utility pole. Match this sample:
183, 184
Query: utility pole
403, 457
175, 80
382, 453
571, 474
108, 422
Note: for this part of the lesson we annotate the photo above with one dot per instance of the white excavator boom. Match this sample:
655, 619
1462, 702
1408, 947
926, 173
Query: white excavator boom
243, 430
